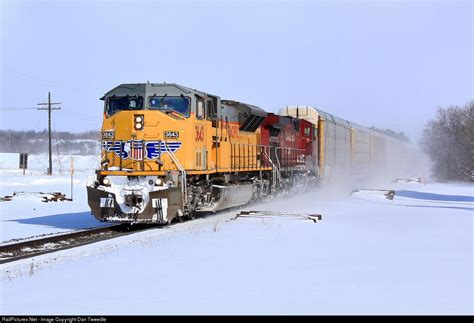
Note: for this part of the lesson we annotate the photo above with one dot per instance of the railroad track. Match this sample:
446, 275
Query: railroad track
32, 248
35, 247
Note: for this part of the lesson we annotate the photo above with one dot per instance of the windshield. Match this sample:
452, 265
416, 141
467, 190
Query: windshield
180, 104
115, 104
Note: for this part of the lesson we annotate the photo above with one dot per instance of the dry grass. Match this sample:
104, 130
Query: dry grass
32, 268
215, 227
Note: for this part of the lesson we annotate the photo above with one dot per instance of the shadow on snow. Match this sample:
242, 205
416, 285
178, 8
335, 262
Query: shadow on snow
434, 197
440, 207
64, 221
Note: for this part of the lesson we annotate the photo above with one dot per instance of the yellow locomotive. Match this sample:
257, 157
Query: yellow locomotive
170, 151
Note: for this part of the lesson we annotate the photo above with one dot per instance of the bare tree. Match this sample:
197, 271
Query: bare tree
449, 141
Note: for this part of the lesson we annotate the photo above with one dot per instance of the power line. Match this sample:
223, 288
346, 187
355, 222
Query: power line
18, 108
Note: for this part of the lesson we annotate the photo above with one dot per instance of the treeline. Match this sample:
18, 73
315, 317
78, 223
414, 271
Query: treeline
397, 135
36, 142
449, 140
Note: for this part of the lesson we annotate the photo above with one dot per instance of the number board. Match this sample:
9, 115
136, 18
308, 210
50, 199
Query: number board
171, 134
108, 134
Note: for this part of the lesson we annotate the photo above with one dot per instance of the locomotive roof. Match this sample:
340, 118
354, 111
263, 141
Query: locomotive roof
253, 108
150, 87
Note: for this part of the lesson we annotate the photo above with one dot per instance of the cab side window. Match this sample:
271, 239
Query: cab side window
307, 131
200, 109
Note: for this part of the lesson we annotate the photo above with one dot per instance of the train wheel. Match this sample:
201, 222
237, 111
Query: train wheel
191, 215
180, 216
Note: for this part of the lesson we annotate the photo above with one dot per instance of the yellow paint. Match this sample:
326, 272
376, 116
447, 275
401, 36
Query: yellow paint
321, 145
204, 149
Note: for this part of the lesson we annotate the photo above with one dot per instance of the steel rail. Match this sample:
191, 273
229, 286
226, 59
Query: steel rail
32, 248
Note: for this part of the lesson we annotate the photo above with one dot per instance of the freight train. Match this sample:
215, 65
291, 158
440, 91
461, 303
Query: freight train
169, 152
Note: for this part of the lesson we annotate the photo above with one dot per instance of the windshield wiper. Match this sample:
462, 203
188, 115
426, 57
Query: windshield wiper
161, 100
184, 98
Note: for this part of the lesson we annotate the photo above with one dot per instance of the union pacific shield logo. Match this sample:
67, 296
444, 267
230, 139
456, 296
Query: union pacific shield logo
134, 148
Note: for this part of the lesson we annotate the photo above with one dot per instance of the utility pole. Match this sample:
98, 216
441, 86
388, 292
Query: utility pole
49, 108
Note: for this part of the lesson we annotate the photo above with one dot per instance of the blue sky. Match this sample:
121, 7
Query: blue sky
389, 64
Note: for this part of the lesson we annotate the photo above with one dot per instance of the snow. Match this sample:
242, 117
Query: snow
9, 160
368, 255
27, 216
38, 164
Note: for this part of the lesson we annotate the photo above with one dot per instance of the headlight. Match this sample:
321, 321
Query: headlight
158, 182
139, 121
106, 181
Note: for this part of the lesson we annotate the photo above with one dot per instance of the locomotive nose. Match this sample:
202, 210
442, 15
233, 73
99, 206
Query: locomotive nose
133, 200
125, 119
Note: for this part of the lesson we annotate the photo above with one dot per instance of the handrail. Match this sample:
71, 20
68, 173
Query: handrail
276, 170
182, 170
277, 159
234, 157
